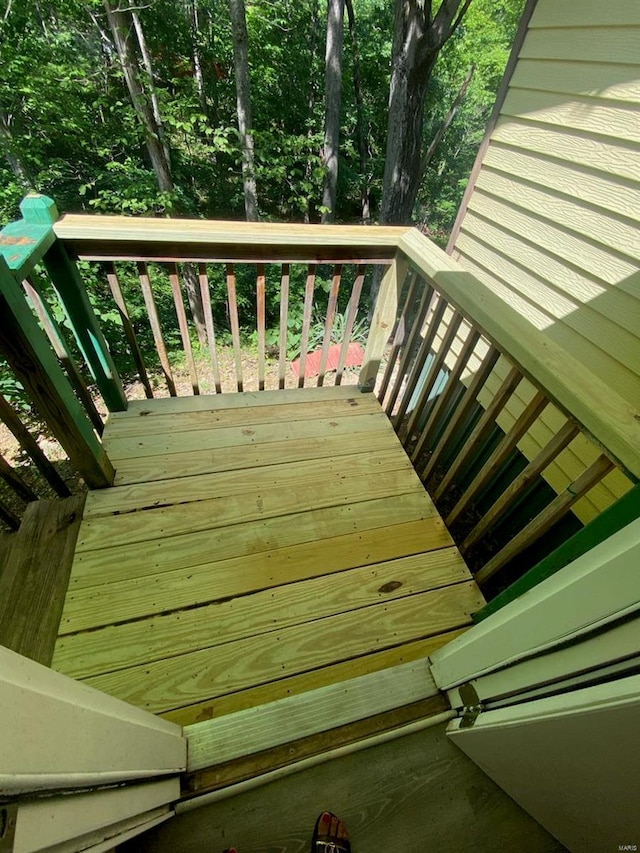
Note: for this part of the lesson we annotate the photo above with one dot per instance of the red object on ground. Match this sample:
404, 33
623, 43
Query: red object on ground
355, 356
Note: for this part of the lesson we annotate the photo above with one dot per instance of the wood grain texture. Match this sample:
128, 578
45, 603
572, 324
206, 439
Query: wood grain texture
200, 239
250, 435
600, 407
232, 400
609, 80
160, 637
192, 677
279, 574
317, 492
620, 235
297, 684
604, 155
609, 281
597, 44
140, 559
588, 13
161, 493
147, 421
35, 576
241, 457
151, 592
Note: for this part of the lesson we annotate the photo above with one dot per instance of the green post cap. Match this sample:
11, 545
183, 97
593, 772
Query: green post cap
39, 209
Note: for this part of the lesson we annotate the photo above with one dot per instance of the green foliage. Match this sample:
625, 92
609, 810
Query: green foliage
68, 129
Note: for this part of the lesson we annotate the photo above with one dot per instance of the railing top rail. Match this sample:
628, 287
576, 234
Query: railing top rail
611, 420
95, 237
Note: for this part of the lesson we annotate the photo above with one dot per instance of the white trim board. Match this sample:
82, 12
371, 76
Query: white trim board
596, 587
285, 720
45, 823
58, 733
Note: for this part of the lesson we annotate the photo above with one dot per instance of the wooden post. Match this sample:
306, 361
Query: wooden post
73, 296
384, 318
29, 355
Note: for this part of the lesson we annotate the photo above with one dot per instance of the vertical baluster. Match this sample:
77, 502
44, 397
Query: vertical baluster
127, 325
261, 309
421, 358
463, 408
409, 348
549, 516
400, 336
284, 328
208, 321
233, 321
181, 314
154, 321
500, 455
328, 323
352, 313
480, 431
9, 517
306, 322
452, 326
447, 392
30, 446
54, 333
521, 483
16, 482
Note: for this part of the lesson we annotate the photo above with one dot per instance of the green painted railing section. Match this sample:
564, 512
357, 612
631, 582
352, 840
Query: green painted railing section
612, 519
28, 353
31, 241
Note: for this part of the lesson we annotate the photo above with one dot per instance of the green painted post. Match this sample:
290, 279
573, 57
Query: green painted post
26, 349
40, 210
625, 510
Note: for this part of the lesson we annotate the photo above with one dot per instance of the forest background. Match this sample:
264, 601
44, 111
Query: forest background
217, 109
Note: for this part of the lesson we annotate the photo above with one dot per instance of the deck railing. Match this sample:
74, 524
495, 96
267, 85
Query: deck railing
465, 379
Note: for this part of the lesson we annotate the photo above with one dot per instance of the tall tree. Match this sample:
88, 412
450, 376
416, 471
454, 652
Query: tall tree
10, 152
151, 86
332, 103
419, 36
194, 21
243, 101
121, 31
361, 129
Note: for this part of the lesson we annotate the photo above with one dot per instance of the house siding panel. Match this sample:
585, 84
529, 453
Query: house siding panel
552, 222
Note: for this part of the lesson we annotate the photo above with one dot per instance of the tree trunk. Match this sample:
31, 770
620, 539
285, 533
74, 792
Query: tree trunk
332, 98
243, 101
446, 124
313, 49
361, 130
118, 24
10, 154
155, 106
418, 38
197, 59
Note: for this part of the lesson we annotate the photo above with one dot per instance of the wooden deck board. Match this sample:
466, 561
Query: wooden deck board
34, 576
230, 667
248, 482
134, 598
256, 546
178, 632
149, 423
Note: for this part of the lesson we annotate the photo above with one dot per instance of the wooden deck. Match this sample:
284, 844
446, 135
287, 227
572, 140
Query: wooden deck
256, 546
